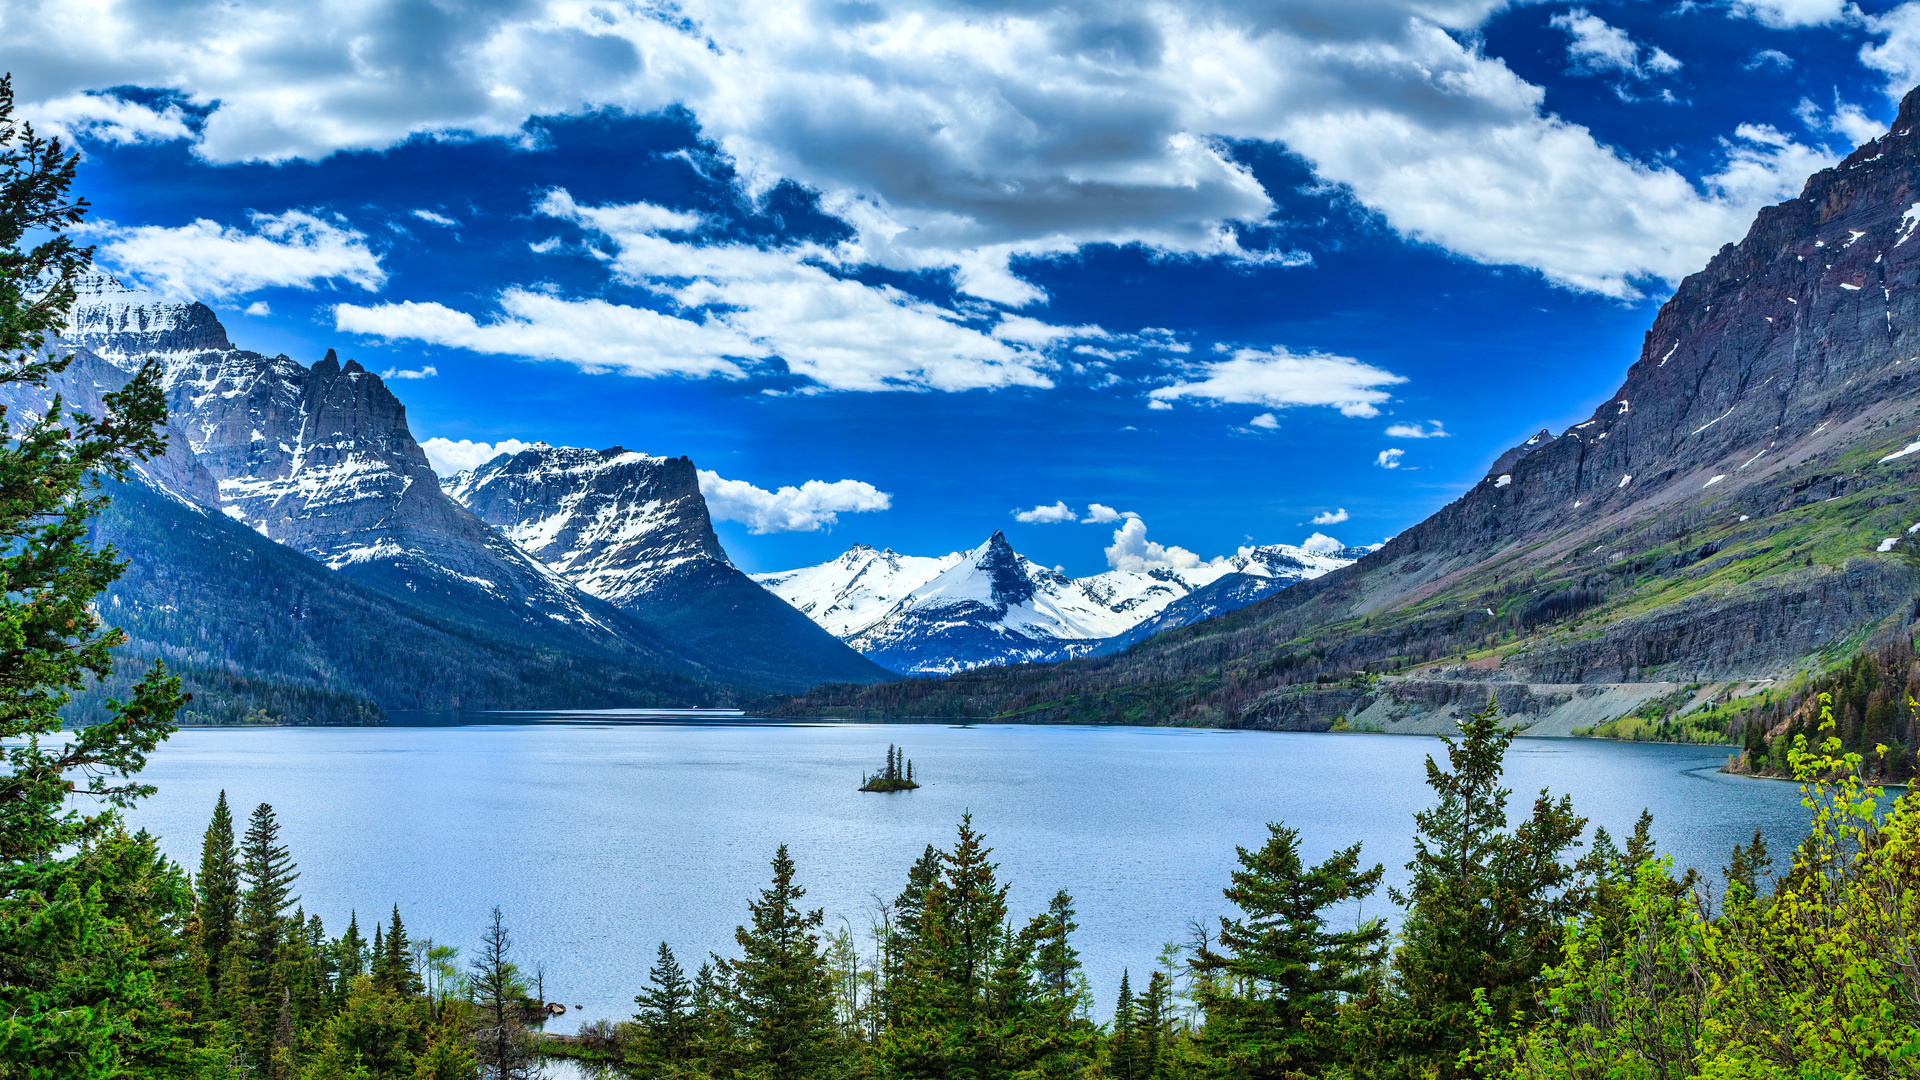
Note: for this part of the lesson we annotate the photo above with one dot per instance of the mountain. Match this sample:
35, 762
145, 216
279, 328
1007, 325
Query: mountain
387, 593
1746, 506
633, 530
993, 606
321, 459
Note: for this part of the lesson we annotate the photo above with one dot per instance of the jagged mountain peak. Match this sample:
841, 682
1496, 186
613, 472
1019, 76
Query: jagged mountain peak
991, 605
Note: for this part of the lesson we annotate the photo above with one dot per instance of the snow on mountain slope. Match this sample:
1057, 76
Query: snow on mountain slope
991, 605
634, 530
320, 459
850, 593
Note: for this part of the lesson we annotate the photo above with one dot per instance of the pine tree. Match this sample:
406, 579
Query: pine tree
350, 954
780, 987
218, 896
393, 969
1153, 1027
666, 1013
1121, 1049
1486, 907
76, 991
268, 873
1280, 972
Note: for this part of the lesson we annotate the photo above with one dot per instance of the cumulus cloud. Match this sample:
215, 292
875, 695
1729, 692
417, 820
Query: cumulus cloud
209, 261
1106, 515
1596, 46
738, 303
436, 219
1321, 544
1788, 14
1280, 378
426, 372
1046, 515
807, 508
1264, 420
108, 118
1331, 517
448, 456
960, 139
1418, 431
258, 309
1131, 550
1769, 58
1389, 459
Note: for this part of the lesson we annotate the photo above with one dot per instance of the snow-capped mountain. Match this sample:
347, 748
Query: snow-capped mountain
633, 529
991, 605
320, 459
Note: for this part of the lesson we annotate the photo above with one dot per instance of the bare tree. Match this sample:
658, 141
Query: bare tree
500, 1038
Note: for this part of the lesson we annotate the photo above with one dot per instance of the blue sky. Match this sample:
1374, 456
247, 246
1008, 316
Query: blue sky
1227, 268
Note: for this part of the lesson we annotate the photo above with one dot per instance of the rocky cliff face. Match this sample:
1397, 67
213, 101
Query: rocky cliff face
633, 529
321, 459
991, 605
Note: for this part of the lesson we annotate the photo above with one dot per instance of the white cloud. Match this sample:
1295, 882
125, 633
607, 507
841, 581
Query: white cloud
593, 334
1772, 58
209, 261
807, 508
1046, 515
426, 372
1106, 515
1331, 517
1787, 14
437, 219
1596, 46
1131, 550
1280, 378
1389, 459
956, 138
107, 118
1265, 420
258, 309
1321, 543
1418, 431
739, 304
448, 457
1897, 57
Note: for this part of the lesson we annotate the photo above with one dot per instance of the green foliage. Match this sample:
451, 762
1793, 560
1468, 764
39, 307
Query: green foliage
779, 991
1273, 989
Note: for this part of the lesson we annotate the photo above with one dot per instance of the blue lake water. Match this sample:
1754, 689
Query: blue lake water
599, 840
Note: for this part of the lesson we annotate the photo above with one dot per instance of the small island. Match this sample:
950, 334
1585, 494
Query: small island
897, 776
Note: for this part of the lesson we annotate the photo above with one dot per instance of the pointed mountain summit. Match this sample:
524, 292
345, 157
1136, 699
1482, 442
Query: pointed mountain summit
1747, 505
633, 530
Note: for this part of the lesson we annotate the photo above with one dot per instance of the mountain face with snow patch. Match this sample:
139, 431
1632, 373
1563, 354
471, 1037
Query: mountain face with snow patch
321, 459
633, 530
920, 615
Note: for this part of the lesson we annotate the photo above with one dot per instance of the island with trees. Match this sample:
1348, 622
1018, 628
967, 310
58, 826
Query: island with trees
897, 776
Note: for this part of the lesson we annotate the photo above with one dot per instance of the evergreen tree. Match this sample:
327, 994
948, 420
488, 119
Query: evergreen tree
666, 1014
268, 873
393, 969
1153, 1027
780, 987
218, 899
1486, 907
350, 953
1281, 972
78, 998
1121, 1045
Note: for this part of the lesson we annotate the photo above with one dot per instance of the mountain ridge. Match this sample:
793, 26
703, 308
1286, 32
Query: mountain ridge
989, 605
1739, 510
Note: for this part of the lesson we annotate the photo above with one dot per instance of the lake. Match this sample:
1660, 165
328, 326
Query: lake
600, 839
